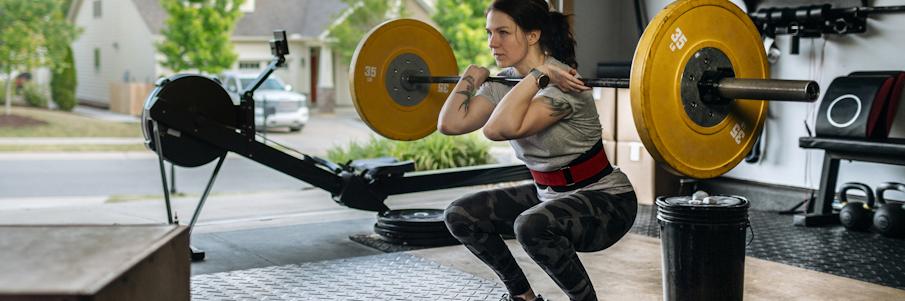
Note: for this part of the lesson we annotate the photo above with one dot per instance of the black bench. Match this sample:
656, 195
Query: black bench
820, 211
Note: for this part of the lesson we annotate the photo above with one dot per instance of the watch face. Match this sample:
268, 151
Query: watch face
543, 81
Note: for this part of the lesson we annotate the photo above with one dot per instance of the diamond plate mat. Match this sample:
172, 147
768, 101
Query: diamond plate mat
867, 257
393, 276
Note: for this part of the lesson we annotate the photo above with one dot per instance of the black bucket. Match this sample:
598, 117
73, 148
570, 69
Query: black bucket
703, 247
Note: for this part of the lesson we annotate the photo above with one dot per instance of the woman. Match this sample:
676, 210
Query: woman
578, 202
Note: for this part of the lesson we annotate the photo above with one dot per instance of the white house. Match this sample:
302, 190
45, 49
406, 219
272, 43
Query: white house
117, 44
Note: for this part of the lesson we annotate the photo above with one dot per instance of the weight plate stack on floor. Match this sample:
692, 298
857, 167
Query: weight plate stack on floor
416, 227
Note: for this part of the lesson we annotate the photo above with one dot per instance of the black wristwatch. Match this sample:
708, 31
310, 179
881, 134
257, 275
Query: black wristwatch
542, 79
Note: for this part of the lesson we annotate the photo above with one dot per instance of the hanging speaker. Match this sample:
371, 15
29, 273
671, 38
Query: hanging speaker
896, 116
852, 107
888, 117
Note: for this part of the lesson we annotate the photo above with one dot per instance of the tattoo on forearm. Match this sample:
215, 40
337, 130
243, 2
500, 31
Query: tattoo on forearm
469, 93
559, 106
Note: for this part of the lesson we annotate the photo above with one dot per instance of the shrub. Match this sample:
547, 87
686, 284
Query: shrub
374, 148
62, 84
2, 92
34, 95
436, 151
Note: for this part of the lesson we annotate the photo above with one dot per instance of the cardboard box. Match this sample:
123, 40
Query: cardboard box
649, 179
609, 148
605, 101
625, 124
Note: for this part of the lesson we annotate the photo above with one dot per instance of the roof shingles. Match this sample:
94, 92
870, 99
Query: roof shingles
308, 18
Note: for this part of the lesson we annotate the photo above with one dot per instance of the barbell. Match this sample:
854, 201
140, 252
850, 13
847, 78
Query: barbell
698, 78
723, 88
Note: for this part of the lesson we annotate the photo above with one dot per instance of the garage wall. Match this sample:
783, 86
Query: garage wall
605, 31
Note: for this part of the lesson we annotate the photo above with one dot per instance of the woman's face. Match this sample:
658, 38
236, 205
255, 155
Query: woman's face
506, 40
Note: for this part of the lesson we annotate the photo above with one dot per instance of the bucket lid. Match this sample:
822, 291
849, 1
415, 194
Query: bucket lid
716, 209
714, 201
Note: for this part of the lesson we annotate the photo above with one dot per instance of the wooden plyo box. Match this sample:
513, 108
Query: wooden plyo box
93, 262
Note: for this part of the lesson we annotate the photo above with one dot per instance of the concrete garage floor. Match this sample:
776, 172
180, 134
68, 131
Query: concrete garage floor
246, 231
630, 270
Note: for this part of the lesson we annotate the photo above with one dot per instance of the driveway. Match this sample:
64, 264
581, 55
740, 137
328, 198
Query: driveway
323, 132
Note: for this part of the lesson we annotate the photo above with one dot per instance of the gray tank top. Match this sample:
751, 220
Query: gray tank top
562, 142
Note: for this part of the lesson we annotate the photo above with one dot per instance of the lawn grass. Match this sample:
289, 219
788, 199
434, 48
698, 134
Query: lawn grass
24, 148
65, 124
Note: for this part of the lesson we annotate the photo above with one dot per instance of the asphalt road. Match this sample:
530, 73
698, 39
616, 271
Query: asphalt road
137, 174
130, 177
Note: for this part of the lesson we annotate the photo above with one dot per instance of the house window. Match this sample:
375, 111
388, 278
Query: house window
97, 8
249, 66
97, 59
248, 6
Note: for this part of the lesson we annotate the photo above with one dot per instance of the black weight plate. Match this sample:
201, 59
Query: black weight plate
411, 217
200, 95
433, 227
422, 242
411, 235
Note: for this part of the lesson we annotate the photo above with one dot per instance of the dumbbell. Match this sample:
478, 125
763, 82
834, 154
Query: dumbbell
889, 219
856, 216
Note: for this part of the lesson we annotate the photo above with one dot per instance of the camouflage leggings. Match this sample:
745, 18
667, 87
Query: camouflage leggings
550, 232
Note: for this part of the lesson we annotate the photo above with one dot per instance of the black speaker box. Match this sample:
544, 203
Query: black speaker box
888, 117
852, 107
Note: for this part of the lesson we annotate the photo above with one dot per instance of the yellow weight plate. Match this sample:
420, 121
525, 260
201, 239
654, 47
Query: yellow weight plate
671, 39
371, 67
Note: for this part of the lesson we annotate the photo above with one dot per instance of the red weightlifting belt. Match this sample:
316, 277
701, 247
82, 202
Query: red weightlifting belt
595, 165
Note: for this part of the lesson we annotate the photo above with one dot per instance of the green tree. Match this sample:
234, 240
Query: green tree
462, 23
63, 82
33, 34
359, 18
197, 34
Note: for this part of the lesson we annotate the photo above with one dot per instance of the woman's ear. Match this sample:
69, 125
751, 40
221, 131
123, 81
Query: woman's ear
533, 37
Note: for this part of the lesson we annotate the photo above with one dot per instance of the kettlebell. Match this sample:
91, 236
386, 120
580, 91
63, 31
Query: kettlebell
856, 216
889, 219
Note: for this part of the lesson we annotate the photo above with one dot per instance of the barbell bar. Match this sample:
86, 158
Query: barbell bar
590, 82
725, 88
698, 80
